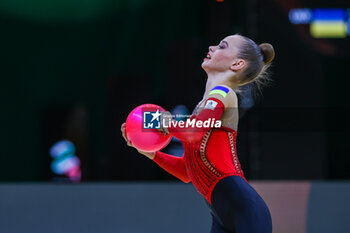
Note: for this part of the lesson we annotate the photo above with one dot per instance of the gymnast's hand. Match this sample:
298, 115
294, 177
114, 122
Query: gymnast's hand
166, 117
150, 155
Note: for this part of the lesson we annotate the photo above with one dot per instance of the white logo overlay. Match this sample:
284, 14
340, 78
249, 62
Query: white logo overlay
154, 120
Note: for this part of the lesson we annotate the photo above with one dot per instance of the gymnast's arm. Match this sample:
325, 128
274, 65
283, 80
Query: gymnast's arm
220, 98
172, 164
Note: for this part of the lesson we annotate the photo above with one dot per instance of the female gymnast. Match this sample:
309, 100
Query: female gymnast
210, 159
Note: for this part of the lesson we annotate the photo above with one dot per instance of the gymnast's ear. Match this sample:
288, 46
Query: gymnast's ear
238, 64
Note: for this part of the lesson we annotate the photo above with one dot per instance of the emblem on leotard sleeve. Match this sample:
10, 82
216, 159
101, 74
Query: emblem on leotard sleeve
211, 104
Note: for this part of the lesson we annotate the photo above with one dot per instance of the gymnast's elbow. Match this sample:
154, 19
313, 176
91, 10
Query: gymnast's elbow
186, 180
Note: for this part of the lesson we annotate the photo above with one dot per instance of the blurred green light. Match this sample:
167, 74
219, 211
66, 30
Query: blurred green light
66, 10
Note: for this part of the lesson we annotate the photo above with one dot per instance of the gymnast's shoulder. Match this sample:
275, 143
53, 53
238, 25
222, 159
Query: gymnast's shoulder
225, 94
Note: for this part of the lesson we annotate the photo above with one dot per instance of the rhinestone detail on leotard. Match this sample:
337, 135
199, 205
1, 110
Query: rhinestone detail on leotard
203, 155
233, 151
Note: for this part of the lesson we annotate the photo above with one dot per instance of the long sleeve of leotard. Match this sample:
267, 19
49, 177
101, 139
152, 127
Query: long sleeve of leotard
213, 110
172, 164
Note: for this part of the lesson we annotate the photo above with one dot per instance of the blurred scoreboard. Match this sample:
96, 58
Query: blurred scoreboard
324, 22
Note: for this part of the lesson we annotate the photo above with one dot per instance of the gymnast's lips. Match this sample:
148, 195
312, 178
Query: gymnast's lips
208, 57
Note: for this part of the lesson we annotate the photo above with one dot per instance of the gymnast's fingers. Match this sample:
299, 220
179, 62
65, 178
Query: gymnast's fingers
124, 135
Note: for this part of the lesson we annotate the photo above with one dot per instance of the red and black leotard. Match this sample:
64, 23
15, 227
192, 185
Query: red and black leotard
212, 159
208, 160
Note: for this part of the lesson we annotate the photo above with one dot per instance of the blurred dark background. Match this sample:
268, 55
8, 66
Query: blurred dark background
74, 70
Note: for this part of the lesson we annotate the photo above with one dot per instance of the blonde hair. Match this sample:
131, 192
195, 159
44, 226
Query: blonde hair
258, 59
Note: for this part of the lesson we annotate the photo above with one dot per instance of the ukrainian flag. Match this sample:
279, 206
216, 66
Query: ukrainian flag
328, 23
219, 90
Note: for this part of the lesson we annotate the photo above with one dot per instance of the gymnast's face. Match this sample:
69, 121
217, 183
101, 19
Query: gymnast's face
223, 57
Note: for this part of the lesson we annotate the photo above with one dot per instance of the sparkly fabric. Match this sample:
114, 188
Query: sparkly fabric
212, 159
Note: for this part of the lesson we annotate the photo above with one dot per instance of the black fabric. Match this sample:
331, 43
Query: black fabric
238, 208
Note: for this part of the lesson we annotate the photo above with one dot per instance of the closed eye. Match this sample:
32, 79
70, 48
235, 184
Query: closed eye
223, 44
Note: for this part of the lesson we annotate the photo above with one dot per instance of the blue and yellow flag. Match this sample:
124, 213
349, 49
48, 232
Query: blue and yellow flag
328, 23
219, 90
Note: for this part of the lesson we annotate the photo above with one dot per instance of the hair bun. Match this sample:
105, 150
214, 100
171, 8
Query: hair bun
268, 52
